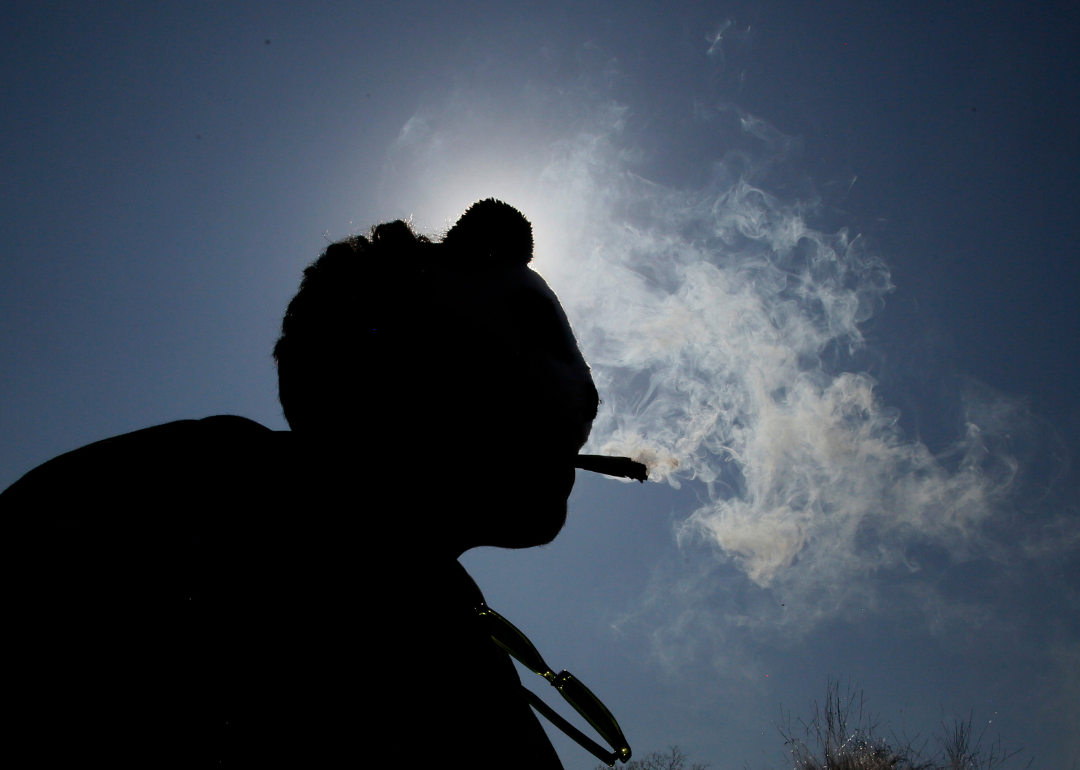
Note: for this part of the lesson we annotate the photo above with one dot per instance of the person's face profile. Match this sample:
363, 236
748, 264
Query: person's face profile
533, 429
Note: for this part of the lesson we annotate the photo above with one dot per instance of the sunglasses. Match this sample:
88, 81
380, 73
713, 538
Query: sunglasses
508, 637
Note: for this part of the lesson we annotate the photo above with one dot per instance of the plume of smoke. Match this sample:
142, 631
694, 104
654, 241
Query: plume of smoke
712, 319
706, 316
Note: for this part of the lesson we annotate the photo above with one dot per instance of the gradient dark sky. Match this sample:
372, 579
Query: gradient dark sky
168, 169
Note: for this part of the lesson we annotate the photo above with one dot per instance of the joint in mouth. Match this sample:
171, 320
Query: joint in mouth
622, 467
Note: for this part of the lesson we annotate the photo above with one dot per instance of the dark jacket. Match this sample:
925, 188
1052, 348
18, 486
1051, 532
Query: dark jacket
208, 592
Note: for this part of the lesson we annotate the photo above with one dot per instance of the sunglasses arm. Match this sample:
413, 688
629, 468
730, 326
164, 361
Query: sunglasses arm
587, 743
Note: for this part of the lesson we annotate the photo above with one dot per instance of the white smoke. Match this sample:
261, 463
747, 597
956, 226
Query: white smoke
705, 315
708, 316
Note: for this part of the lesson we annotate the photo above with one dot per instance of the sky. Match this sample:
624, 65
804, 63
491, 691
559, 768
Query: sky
822, 257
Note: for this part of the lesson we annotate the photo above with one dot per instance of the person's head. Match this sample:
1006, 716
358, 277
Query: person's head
449, 366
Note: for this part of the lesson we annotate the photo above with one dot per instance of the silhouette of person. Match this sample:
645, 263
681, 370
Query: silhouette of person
211, 592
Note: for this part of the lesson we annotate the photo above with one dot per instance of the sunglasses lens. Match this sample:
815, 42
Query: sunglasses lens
506, 635
596, 714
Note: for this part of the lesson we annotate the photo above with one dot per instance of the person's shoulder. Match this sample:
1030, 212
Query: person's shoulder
181, 448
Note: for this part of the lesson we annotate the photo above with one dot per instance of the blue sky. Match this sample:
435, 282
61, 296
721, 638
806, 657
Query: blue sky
886, 487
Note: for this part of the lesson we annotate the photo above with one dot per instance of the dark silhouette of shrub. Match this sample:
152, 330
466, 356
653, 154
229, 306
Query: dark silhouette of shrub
841, 734
673, 759
960, 750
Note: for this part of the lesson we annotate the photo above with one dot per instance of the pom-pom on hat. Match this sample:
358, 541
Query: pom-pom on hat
491, 231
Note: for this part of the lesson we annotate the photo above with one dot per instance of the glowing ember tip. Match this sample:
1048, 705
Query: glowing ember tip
623, 467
